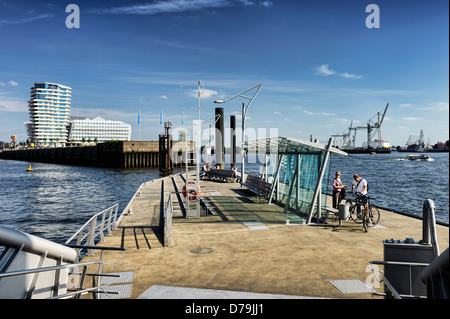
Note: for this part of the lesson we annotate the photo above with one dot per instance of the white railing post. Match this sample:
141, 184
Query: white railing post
91, 235
102, 227
91, 225
115, 217
108, 225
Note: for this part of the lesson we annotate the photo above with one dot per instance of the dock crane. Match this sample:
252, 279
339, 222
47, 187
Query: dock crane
371, 125
348, 140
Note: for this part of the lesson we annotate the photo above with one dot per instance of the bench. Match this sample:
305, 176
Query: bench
257, 186
334, 213
225, 175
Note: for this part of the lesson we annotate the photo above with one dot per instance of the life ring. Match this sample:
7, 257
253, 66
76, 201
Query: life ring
193, 190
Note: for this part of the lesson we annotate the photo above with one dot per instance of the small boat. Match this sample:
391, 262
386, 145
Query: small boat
421, 157
425, 157
29, 169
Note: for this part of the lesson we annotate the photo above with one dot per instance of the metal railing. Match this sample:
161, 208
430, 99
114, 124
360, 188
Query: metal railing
168, 213
388, 285
96, 226
76, 280
433, 281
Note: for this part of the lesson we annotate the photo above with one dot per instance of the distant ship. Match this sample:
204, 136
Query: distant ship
376, 146
415, 144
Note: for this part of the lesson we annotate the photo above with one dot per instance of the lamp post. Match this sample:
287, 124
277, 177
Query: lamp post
244, 114
198, 154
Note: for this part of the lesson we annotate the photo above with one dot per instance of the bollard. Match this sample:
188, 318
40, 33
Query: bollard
344, 213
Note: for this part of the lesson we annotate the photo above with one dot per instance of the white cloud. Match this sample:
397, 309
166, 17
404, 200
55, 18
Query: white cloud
25, 20
205, 93
12, 83
437, 106
13, 105
319, 113
175, 6
350, 76
411, 118
324, 70
164, 97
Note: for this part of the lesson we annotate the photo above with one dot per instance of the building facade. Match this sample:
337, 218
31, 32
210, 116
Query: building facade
49, 108
85, 130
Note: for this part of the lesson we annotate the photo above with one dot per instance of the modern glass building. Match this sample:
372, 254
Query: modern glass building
296, 170
85, 130
49, 108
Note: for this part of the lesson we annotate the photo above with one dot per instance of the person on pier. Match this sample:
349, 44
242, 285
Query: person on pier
338, 190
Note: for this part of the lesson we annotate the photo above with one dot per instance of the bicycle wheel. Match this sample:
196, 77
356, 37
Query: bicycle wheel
374, 216
356, 213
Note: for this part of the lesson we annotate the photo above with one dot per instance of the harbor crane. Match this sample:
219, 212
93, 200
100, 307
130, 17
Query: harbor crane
371, 125
349, 137
348, 140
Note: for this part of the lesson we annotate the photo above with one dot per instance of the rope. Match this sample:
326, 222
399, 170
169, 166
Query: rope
120, 257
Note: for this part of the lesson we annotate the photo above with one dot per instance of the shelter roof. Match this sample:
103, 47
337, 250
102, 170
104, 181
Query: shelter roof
289, 145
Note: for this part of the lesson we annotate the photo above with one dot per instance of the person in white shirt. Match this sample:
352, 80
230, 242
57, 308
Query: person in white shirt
360, 186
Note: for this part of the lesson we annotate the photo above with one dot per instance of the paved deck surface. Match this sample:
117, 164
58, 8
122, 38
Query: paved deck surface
226, 257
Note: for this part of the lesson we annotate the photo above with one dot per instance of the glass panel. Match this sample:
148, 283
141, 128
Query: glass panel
300, 166
296, 191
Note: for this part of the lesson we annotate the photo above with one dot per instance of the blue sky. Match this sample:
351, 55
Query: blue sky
320, 66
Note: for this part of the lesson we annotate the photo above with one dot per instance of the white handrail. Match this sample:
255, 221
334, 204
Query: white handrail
168, 212
94, 230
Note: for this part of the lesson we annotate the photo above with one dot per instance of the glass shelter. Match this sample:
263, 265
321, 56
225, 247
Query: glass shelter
296, 170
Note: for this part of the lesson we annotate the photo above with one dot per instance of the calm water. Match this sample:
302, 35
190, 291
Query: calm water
400, 185
54, 200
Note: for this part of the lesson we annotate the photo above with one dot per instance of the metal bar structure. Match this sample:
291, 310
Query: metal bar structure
434, 274
390, 287
91, 229
168, 212
319, 184
294, 182
275, 180
244, 114
72, 268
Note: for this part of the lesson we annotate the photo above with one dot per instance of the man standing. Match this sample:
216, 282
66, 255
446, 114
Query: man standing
360, 186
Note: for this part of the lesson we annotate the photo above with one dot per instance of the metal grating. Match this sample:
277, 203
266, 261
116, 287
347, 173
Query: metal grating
351, 286
124, 277
115, 292
255, 225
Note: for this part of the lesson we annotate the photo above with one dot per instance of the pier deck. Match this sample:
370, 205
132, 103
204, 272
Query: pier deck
220, 252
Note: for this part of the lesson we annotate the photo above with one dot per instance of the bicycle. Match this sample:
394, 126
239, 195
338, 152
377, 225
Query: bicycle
357, 212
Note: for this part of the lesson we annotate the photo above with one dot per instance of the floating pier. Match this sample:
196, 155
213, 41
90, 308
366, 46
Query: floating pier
241, 247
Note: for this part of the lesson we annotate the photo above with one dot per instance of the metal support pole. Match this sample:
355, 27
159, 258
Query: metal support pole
233, 140
319, 181
243, 144
275, 179
293, 180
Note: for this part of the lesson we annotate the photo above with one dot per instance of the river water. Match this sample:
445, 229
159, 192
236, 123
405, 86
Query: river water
53, 200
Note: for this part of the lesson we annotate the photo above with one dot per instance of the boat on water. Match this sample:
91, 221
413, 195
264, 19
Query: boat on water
421, 157
377, 146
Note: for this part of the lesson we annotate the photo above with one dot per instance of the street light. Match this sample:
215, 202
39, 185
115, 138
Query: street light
244, 113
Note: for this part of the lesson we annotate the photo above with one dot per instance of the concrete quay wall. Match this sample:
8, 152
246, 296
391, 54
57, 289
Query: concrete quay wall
122, 154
